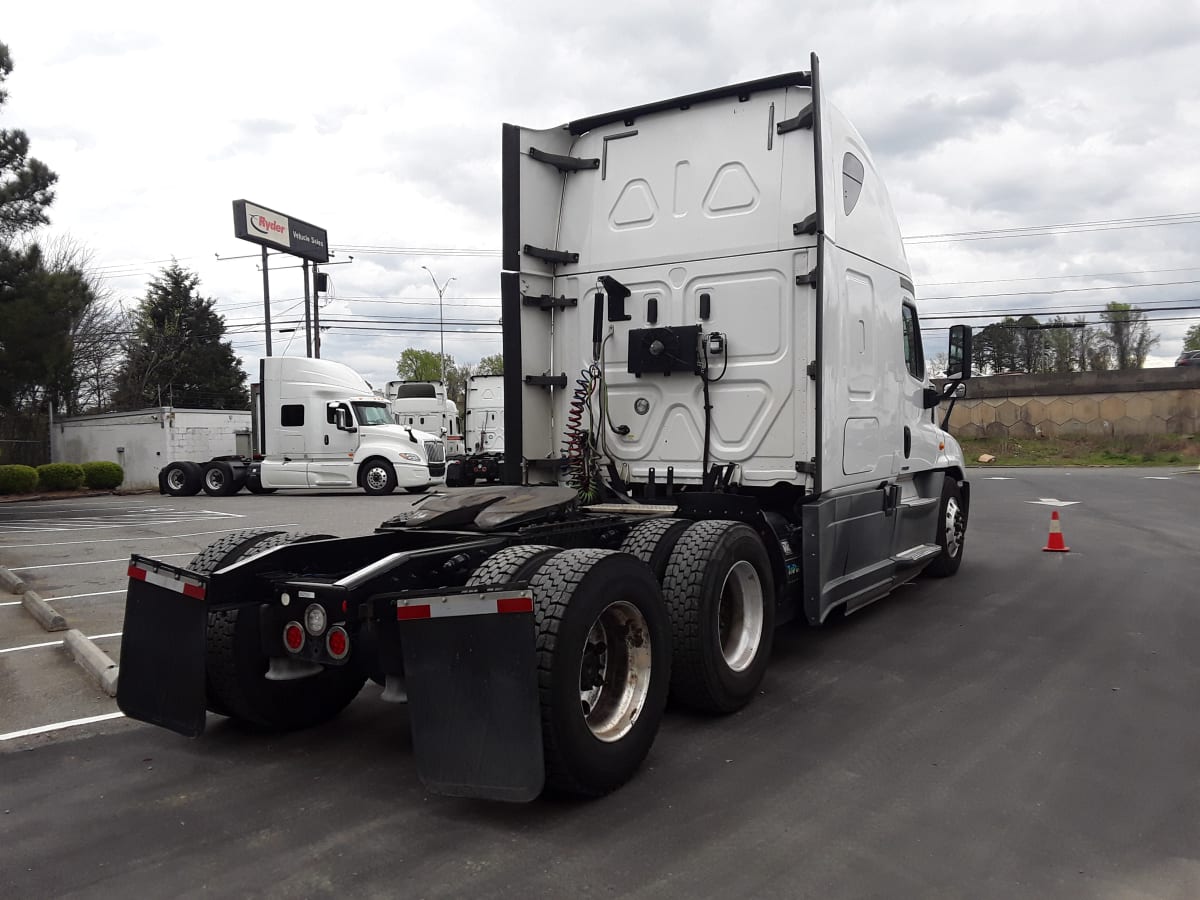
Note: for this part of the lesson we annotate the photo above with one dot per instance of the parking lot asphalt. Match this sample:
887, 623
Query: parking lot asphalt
1026, 728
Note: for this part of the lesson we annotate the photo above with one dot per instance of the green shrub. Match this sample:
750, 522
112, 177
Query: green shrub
102, 475
59, 477
17, 479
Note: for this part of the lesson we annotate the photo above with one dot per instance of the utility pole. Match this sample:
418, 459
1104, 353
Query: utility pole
441, 318
307, 317
266, 299
316, 312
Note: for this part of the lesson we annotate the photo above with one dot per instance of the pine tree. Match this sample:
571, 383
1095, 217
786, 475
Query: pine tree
177, 354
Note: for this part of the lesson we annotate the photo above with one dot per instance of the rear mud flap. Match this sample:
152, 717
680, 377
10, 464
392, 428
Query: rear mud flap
473, 703
162, 656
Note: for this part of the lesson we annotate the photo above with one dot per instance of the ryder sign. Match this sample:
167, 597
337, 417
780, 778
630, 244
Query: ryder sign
260, 225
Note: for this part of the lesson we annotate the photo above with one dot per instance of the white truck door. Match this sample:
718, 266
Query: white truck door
331, 460
919, 451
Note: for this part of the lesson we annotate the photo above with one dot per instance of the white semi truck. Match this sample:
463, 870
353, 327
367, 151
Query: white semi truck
425, 405
717, 419
483, 433
317, 424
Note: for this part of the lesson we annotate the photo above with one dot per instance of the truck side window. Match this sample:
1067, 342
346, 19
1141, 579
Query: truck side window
914, 355
852, 181
291, 415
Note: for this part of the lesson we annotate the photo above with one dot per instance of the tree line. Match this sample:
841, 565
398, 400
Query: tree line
1121, 340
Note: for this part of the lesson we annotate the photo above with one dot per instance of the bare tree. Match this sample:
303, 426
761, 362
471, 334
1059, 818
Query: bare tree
1127, 334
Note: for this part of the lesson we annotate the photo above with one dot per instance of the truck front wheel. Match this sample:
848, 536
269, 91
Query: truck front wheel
377, 477
237, 668
951, 531
603, 649
721, 596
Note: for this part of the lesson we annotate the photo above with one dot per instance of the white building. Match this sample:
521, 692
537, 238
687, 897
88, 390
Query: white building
144, 441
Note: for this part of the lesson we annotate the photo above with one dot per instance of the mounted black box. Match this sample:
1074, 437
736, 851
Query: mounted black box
665, 350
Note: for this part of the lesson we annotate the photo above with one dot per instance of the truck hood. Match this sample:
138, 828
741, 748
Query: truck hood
399, 433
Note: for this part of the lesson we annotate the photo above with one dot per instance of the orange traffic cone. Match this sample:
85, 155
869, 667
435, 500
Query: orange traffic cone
1054, 543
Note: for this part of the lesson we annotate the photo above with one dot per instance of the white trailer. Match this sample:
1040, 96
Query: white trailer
318, 424
717, 419
484, 433
425, 405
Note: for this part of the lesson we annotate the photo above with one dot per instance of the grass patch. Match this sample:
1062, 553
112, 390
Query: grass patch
1181, 450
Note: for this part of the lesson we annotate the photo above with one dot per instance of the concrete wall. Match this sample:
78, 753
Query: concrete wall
143, 442
1098, 404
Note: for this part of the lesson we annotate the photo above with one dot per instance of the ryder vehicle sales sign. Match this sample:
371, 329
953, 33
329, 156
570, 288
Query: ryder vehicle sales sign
260, 225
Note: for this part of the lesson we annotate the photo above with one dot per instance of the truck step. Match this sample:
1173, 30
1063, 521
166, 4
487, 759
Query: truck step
916, 555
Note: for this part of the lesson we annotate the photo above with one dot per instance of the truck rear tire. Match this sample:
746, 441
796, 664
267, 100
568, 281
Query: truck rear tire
219, 479
951, 531
511, 564
181, 479
217, 555
236, 668
652, 542
720, 593
377, 477
603, 648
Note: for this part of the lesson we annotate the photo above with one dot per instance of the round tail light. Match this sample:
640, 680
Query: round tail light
293, 637
337, 642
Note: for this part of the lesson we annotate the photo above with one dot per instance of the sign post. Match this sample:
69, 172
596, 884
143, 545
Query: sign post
274, 230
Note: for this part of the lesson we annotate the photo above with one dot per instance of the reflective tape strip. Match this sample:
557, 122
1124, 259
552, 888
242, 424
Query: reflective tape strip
187, 588
464, 605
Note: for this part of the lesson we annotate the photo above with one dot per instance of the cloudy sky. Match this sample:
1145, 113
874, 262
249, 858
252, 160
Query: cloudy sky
381, 123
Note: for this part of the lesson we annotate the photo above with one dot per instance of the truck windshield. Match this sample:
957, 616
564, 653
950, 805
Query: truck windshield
372, 414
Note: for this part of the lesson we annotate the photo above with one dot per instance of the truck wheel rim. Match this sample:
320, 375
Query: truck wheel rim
175, 480
740, 616
614, 673
954, 527
376, 478
214, 479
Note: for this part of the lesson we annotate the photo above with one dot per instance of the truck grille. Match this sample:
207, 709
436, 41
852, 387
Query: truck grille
435, 451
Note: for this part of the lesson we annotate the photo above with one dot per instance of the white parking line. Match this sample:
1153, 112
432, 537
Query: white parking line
161, 537
91, 562
93, 637
77, 596
42, 729
11, 603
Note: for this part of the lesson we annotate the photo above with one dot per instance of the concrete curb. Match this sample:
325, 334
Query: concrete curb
48, 617
12, 583
94, 661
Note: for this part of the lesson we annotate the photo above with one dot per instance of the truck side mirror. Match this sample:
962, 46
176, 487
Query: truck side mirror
341, 418
959, 366
931, 398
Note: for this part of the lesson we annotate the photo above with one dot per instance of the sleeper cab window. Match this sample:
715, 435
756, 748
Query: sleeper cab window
914, 356
291, 415
852, 180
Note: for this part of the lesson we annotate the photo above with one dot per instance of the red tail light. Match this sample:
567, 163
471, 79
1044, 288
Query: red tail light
337, 642
293, 636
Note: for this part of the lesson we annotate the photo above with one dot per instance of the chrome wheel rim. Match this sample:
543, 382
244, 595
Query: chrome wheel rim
740, 616
175, 480
376, 478
614, 673
955, 527
214, 479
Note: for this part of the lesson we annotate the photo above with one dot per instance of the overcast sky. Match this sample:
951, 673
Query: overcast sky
381, 124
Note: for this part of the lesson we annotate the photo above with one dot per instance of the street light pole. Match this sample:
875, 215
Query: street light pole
441, 289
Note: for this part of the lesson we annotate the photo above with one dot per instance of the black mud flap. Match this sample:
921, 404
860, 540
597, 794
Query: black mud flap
162, 648
472, 695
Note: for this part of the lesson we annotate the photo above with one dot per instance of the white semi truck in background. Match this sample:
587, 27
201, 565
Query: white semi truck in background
316, 424
425, 405
717, 419
483, 433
